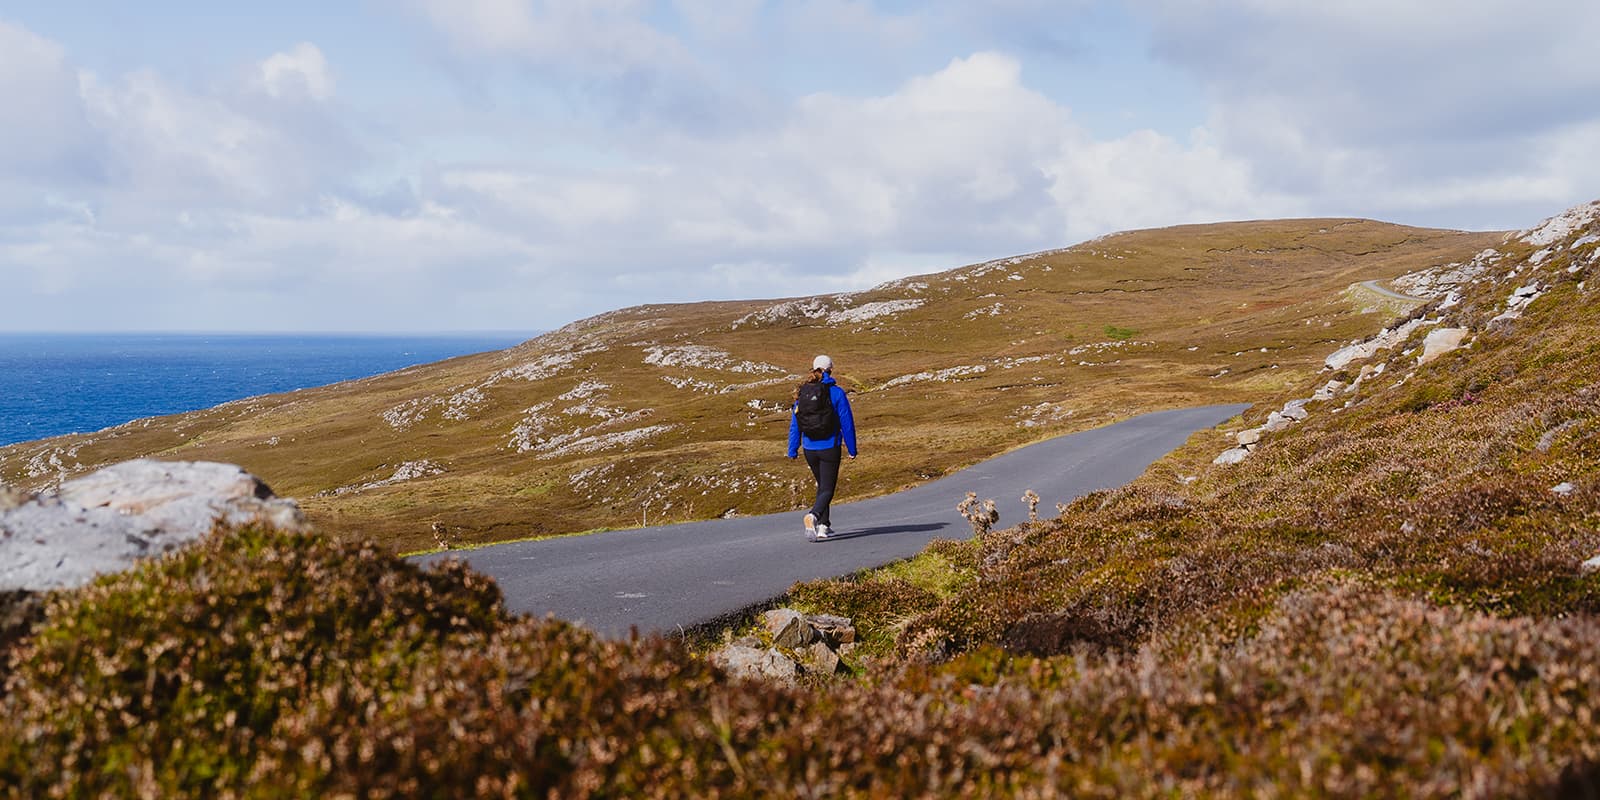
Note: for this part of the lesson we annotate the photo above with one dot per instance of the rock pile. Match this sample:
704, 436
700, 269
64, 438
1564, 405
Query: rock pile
789, 644
108, 520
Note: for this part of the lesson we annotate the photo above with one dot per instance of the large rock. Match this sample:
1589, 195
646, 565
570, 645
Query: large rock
108, 520
1232, 455
1440, 341
822, 658
788, 628
757, 663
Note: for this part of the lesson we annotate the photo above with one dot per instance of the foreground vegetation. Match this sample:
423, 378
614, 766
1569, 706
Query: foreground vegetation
1383, 600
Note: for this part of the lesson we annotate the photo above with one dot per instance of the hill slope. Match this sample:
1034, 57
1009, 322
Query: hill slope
678, 412
1383, 599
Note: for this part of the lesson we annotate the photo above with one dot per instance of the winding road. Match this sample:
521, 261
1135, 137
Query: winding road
671, 576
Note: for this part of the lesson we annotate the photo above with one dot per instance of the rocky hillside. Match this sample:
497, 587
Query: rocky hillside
1385, 594
666, 413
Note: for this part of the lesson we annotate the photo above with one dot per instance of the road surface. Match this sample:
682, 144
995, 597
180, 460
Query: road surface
661, 578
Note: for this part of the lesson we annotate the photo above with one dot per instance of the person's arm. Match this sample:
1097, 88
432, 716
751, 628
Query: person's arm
847, 421
794, 434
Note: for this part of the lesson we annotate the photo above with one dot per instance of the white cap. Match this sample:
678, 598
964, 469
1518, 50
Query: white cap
822, 362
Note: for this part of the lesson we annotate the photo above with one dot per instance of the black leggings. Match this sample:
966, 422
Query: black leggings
824, 466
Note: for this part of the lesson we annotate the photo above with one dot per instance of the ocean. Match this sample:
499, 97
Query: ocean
52, 384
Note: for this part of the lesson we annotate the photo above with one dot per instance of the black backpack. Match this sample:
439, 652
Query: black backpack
814, 410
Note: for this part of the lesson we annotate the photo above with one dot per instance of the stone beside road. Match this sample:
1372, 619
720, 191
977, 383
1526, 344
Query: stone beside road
789, 644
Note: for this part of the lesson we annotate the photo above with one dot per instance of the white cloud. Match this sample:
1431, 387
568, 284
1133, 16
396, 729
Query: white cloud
278, 199
1421, 108
300, 72
965, 160
605, 36
44, 133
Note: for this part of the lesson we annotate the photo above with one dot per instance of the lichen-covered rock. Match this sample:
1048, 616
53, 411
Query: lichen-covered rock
751, 662
788, 628
822, 658
107, 520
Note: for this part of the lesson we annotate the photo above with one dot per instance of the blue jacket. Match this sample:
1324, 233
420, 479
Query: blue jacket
847, 424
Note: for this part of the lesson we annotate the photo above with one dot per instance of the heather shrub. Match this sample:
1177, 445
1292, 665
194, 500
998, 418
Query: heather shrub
168, 678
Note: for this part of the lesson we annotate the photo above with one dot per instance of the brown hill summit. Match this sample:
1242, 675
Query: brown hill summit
672, 412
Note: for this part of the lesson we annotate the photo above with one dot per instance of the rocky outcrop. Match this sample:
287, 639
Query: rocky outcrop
787, 645
108, 520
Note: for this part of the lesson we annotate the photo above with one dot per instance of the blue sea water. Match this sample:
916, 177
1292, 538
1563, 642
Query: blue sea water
52, 384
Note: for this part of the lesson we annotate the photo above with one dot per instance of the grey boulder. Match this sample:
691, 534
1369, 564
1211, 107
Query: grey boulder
108, 520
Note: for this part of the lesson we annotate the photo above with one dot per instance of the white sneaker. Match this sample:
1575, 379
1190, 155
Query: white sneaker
811, 527
822, 532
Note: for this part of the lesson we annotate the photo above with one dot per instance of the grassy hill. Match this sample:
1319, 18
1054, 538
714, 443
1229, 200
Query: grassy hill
1383, 599
666, 413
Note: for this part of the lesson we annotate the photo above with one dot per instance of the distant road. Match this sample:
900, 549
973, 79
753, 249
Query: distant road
681, 575
1392, 294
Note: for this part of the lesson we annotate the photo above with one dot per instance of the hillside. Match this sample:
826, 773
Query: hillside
664, 413
1384, 598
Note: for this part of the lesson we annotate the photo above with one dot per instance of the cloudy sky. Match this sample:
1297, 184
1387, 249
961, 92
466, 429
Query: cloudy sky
442, 165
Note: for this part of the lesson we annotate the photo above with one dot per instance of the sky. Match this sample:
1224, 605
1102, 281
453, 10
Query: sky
514, 165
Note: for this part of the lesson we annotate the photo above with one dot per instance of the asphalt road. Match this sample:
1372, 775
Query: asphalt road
661, 578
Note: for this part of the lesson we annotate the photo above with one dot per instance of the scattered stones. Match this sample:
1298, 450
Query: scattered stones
1362, 351
1328, 390
836, 630
1563, 488
1248, 437
1518, 301
800, 644
1590, 566
108, 520
1276, 421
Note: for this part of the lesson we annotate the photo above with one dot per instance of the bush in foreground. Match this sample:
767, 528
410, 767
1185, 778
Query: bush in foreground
268, 665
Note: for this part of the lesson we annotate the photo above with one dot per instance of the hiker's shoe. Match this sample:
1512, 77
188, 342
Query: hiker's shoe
822, 532
811, 527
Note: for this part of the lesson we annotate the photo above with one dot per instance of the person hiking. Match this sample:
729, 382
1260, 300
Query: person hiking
822, 425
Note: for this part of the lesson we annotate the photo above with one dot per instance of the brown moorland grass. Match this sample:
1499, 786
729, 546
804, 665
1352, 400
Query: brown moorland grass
535, 440
1382, 600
